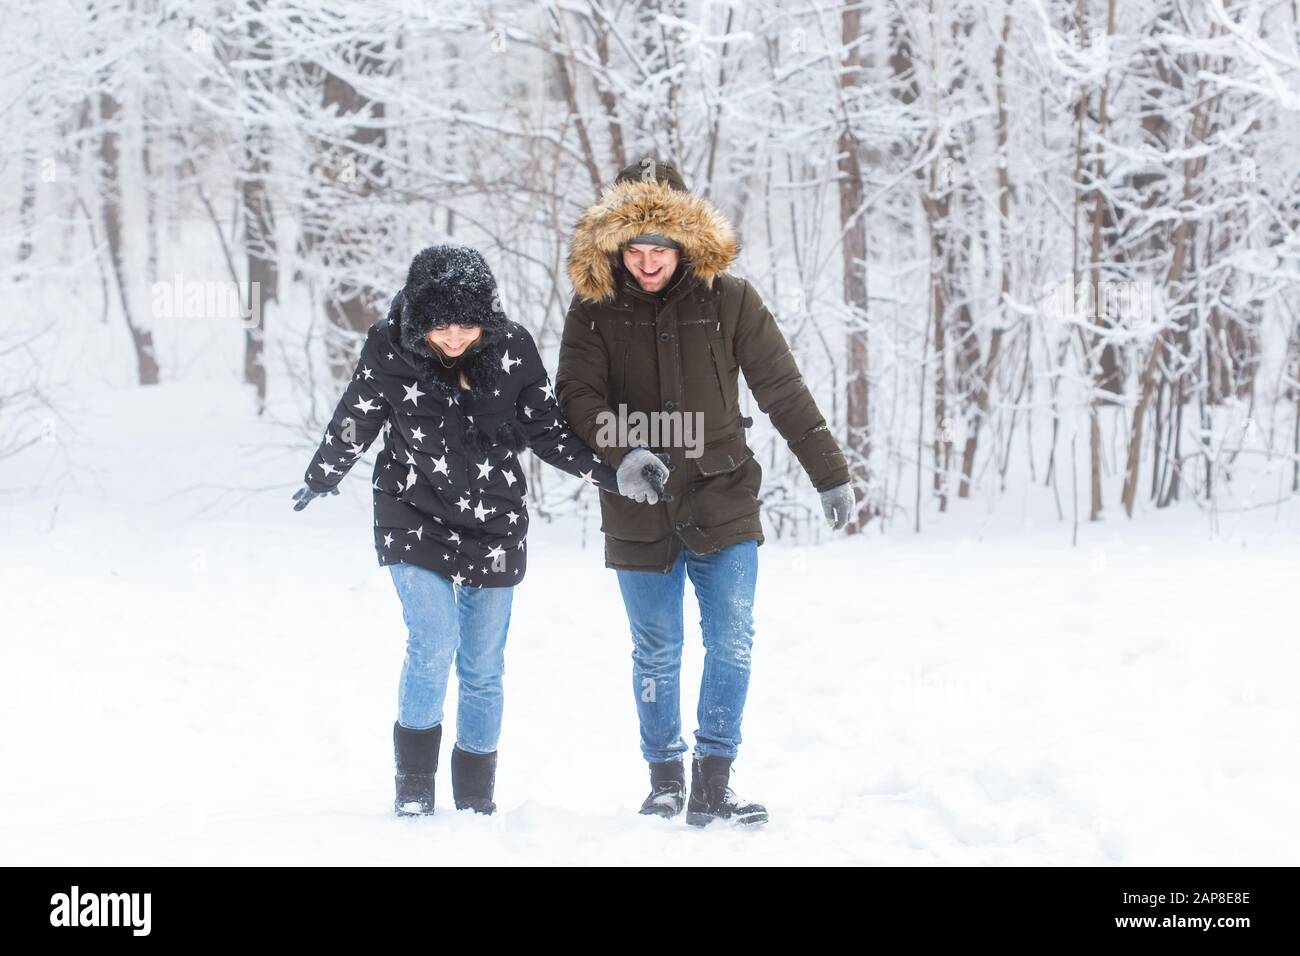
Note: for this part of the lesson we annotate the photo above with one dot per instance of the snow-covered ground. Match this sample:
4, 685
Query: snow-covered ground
193, 673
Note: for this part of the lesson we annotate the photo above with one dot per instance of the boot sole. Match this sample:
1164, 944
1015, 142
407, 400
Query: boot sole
697, 819
401, 811
666, 814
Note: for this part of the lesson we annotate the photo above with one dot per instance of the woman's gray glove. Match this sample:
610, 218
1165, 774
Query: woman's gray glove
304, 495
837, 503
641, 476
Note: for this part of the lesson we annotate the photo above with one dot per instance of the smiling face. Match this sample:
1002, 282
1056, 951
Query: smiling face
650, 266
454, 339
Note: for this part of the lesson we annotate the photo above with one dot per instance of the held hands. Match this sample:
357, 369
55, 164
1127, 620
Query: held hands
641, 476
837, 504
304, 495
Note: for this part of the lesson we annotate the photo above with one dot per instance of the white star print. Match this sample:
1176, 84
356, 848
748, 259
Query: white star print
509, 477
418, 434
440, 466
548, 389
494, 553
507, 361
463, 503
586, 476
455, 537
413, 394
485, 469
457, 578
512, 516
388, 541
326, 467
366, 372
418, 532
366, 406
480, 512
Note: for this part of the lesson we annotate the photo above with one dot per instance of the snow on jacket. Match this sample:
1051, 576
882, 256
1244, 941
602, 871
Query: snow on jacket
449, 489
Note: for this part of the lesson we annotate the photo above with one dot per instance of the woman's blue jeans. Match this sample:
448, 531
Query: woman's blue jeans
447, 622
724, 588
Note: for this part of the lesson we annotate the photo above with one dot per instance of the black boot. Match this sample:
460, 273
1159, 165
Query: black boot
473, 778
416, 752
667, 789
711, 798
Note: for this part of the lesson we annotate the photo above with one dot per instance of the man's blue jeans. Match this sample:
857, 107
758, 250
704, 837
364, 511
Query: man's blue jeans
445, 622
724, 587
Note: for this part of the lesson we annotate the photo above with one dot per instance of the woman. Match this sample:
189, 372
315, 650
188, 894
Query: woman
457, 390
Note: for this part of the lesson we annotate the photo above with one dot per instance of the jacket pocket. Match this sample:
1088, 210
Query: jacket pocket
723, 455
726, 485
721, 366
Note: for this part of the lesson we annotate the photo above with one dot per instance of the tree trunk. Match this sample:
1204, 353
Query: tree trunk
111, 190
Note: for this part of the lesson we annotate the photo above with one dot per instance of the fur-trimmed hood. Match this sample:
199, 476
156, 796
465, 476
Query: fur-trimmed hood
632, 207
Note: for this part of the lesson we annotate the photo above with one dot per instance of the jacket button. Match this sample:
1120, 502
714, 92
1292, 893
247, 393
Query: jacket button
672, 466
664, 336
679, 525
670, 405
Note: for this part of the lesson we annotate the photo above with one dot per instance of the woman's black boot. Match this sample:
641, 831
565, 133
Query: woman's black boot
417, 763
473, 778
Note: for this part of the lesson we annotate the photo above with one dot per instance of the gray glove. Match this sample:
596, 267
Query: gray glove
837, 503
641, 476
304, 495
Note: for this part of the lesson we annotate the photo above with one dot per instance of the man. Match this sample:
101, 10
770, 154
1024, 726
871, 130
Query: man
657, 327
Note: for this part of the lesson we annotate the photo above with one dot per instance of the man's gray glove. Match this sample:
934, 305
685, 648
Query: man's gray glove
837, 503
641, 476
304, 495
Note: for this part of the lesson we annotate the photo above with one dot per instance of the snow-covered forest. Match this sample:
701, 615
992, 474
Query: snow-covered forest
1012, 243
1038, 262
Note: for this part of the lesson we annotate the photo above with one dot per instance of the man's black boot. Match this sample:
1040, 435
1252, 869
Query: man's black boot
712, 798
667, 789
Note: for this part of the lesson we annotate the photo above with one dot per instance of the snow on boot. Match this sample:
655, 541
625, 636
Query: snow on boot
711, 798
473, 778
667, 789
416, 753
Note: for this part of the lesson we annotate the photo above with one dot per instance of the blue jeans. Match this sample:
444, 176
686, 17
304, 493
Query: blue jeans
724, 587
446, 621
